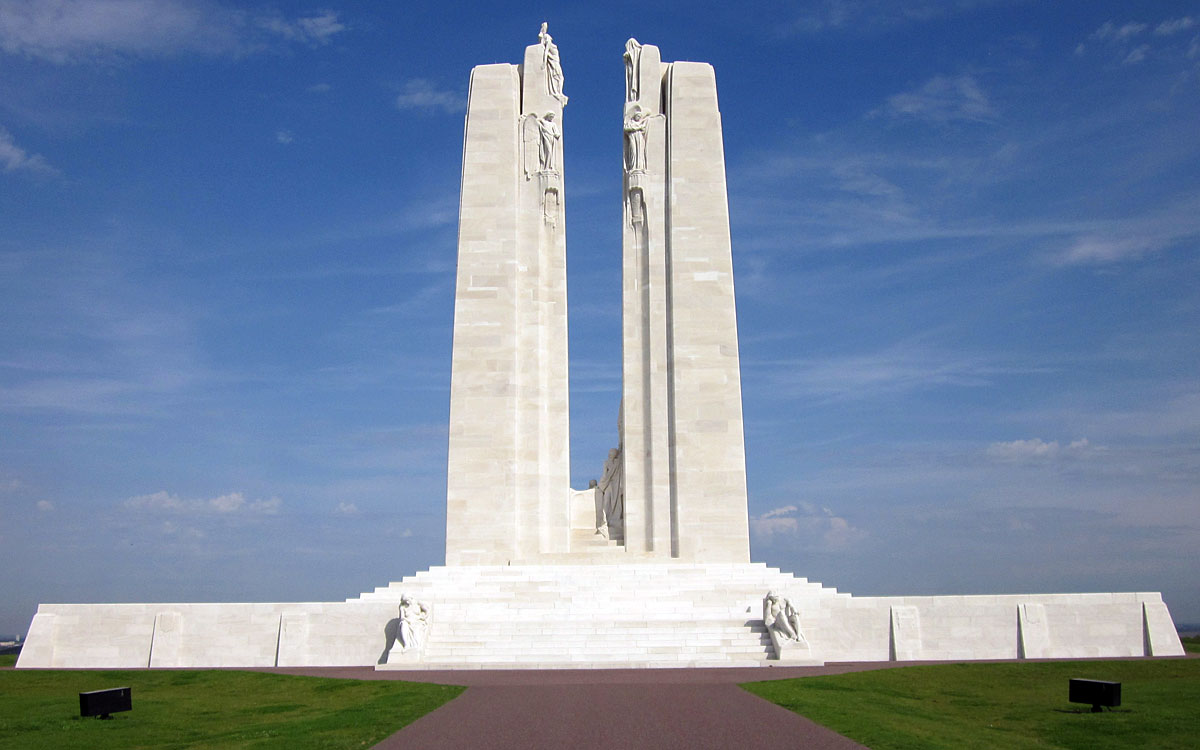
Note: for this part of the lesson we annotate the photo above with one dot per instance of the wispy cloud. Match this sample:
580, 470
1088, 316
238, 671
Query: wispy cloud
95, 340
423, 95
896, 370
233, 502
284, 137
316, 29
1122, 39
1036, 450
1109, 31
1136, 55
807, 522
63, 31
16, 159
1119, 240
45, 506
346, 509
866, 16
1174, 26
942, 99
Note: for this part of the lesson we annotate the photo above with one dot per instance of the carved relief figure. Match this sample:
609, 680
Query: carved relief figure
633, 69
549, 135
552, 65
782, 618
414, 623
635, 139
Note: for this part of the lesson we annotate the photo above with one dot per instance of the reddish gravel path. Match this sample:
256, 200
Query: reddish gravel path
610, 708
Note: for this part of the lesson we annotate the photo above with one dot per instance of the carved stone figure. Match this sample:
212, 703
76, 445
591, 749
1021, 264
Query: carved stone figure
552, 65
781, 618
414, 624
636, 123
611, 494
549, 134
633, 69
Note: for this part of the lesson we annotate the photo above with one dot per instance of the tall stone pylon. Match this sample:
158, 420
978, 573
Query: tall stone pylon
683, 446
508, 485
682, 456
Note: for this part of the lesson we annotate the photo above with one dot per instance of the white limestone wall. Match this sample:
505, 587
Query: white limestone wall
543, 477
645, 326
481, 504
649, 614
964, 628
708, 474
508, 483
81, 636
685, 474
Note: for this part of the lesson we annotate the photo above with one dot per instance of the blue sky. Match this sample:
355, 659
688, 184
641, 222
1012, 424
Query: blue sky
965, 243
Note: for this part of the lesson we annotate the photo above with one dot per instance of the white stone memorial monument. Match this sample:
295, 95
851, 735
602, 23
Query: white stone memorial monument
651, 566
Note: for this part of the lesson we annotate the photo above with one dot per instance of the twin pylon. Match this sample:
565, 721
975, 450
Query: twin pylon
682, 473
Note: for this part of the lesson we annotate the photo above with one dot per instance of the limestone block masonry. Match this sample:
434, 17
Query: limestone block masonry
598, 616
508, 488
685, 465
527, 581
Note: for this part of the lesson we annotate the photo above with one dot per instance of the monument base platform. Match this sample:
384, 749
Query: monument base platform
608, 616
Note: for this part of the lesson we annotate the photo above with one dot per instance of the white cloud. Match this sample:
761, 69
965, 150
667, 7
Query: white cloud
13, 158
320, 88
64, 31
233, 502
284, 137
785, 510
941, 99
1036, 450
45, 506
1098, 250
315, 29
170, 528
1132, 238
1166, 28
1136, 55
422, 94
345, 508
1111, 32
813, 525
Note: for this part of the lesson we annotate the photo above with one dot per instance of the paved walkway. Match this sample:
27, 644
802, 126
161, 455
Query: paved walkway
608, 708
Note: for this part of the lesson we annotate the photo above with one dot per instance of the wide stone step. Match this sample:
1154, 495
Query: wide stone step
579, 592
581, 664
473, 640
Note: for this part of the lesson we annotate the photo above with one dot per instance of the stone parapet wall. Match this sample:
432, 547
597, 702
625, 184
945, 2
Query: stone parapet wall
648, 614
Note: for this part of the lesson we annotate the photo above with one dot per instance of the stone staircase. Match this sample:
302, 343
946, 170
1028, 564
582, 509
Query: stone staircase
597, 616
586, 541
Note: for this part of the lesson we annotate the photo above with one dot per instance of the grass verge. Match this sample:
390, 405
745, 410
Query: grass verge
8, 660
1013, 706
210, 708
1191, 644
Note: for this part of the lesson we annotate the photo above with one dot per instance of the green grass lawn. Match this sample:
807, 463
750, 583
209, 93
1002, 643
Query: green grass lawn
1191, 644
210, 708
7, 660
1011, 706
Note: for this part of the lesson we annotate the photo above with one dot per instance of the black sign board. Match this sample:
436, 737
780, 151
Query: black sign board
1096, 692
104, 702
